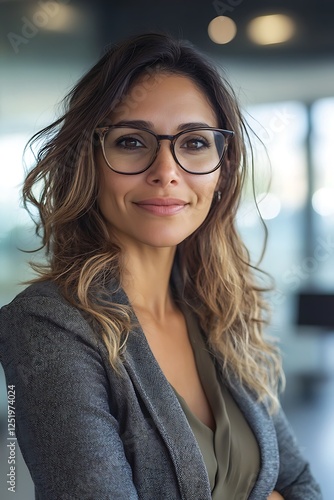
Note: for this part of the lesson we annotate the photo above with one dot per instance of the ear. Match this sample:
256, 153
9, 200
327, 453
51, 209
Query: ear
220, 179
224, 169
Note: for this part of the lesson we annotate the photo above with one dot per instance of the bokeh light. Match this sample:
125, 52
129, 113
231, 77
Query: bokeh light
275, 28
222, 29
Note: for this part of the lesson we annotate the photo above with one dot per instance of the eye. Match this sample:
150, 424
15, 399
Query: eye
194, 143
129, 143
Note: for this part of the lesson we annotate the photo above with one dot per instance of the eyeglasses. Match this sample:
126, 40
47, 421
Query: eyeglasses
132, 150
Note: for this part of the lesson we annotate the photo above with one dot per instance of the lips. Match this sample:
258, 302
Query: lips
162, 206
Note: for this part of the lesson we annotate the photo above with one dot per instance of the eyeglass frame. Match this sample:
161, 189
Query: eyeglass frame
102, 131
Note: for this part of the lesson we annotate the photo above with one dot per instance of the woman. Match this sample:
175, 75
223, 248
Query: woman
137, 356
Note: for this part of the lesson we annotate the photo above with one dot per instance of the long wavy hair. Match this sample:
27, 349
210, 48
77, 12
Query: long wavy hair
217, 276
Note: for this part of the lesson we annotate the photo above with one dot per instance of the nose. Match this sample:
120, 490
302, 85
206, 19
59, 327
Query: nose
164, 170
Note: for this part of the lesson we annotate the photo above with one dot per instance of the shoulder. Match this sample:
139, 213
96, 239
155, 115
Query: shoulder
40, 319
38, 300
37, 292
46, 298
45, 343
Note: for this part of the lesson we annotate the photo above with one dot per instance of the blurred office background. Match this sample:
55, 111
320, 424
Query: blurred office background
279, 56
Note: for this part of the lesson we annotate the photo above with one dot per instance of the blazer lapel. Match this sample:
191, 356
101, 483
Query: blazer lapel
263, 428
166, 413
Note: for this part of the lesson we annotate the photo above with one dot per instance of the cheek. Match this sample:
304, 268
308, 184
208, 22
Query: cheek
110, 184
206, 187
109, 194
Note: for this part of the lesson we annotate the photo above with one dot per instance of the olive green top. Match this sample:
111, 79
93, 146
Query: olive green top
231, 453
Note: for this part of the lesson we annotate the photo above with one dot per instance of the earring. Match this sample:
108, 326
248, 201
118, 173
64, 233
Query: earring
219, 195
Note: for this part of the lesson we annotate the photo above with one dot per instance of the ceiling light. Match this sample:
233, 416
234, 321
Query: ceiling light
222, 29
275, 28
56, 16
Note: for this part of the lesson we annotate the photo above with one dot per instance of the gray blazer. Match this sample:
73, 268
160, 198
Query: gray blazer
87, 433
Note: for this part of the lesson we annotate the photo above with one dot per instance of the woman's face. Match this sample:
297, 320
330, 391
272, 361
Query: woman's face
163, 205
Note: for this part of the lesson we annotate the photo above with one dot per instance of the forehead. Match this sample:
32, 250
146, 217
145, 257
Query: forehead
162, 96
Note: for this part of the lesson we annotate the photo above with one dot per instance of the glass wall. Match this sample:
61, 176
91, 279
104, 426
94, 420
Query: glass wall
294, 190
322, 116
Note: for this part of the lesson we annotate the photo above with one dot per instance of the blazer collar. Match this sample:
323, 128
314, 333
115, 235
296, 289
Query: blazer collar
262, 425
166, 412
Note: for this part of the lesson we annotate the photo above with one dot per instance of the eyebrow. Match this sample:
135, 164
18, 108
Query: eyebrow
150, 126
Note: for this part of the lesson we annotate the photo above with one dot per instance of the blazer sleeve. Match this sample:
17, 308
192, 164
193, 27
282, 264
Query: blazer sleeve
295, 481
64, 424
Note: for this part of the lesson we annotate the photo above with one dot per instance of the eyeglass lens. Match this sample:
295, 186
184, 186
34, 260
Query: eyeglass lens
129, 150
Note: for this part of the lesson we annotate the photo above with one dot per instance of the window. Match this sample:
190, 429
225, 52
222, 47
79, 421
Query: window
322, 123
280, 188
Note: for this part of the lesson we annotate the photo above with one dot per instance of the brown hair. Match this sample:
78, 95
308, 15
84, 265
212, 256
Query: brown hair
218, 279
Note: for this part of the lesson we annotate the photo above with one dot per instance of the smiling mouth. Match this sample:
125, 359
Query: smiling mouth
161, 206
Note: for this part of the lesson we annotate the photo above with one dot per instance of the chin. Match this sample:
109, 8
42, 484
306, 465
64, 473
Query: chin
164, 241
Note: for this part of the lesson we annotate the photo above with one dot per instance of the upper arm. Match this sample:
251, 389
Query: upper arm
295, 480
64, 424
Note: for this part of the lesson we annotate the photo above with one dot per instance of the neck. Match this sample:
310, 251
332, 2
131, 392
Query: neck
145, 279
